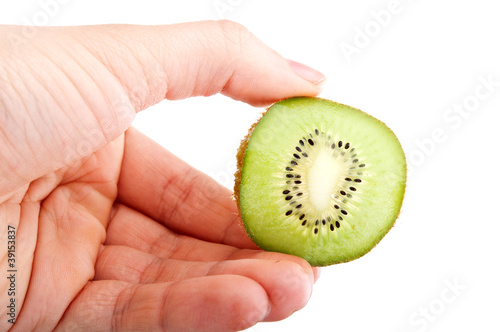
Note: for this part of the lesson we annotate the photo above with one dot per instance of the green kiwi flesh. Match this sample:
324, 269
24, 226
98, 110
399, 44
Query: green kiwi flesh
319, 180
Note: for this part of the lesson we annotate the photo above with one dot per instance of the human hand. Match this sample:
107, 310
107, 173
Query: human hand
112, 231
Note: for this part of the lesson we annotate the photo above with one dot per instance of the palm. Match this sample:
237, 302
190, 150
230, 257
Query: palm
88, 266
70, 210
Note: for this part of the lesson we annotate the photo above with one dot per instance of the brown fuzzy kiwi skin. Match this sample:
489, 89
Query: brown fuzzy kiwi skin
240, 157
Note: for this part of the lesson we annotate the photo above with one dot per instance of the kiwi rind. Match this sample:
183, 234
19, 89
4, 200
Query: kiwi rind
240, 157
322, 253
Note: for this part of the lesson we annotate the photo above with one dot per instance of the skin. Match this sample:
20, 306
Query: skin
113, 232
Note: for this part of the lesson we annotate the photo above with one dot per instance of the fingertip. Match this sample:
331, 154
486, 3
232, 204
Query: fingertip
287, 284
261, 76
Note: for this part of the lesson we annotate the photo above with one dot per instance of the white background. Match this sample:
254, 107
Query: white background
437, 270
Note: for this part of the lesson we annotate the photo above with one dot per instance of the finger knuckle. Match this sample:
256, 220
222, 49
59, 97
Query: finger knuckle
235, 33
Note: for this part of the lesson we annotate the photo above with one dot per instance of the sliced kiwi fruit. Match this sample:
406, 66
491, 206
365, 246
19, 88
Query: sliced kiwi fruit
319, 180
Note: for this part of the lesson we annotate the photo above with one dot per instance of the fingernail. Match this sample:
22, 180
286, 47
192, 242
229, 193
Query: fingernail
306, 72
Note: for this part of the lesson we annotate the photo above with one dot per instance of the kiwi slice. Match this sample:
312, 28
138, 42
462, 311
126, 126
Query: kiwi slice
319, 180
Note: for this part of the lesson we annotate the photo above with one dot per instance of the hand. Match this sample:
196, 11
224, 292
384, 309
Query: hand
112, 231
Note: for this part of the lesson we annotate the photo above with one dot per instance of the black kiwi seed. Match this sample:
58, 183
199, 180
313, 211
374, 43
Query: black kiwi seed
298, 182
289, 175
336, 206
288, 198
298, 149
342, 192
293, 162
331, 227
289, 169
348, 179
355, 160
340, 218
343, 212
317, 222
299, 194
315, 231
301, 142
316, 131
352, 188
340, 144
302, 216
297, 176
286, 192
304, 154
304, 222
337, 224
357, 180
299, 206
347, 145
296, 156
323, 222
362, 165
289, 212
310, 141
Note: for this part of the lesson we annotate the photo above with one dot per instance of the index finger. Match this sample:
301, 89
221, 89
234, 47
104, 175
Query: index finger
187, 201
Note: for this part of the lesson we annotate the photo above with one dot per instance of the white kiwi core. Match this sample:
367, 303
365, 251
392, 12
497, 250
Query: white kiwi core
322, 179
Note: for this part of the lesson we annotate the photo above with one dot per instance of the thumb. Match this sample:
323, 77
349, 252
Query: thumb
199, 59
66, 92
